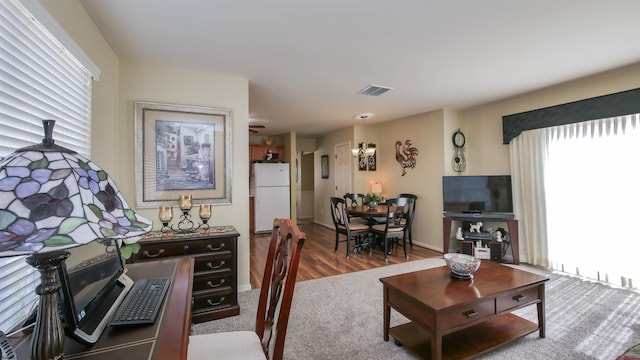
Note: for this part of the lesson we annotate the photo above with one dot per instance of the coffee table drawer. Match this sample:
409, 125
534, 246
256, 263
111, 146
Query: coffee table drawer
469, 314
514, 300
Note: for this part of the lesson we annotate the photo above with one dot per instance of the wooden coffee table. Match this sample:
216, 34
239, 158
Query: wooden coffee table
455, 319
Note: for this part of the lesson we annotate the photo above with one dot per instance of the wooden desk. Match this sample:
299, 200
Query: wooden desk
455, 319
167, 339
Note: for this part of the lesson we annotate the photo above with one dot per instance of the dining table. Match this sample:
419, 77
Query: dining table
377, 215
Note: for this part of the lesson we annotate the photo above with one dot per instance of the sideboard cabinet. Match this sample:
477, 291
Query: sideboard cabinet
215, 289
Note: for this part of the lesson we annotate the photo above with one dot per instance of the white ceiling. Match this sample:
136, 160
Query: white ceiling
307, 59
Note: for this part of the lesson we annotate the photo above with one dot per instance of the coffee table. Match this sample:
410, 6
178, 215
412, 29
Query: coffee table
460, 319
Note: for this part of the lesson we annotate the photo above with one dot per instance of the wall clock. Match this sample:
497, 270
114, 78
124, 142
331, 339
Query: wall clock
458, 139
459, 163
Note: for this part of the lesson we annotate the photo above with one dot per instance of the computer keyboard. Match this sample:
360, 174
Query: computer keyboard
142, 304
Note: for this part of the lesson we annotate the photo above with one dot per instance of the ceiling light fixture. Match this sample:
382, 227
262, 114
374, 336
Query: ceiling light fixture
362, 154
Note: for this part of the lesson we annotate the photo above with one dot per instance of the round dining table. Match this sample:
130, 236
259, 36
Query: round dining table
373, 216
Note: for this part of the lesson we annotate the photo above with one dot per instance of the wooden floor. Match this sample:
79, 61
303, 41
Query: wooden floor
319, 260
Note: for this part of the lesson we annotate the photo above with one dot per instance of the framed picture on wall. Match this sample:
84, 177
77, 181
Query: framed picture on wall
324, 166
182, 150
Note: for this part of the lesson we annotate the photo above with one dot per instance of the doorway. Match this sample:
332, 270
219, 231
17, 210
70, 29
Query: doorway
304, 177
342, 169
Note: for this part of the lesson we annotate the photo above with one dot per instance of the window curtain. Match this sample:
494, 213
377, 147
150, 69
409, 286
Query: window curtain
576, 194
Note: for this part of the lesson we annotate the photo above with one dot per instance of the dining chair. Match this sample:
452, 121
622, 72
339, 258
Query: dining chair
355, 231
412, 199
393, 230
355, 199
276, 294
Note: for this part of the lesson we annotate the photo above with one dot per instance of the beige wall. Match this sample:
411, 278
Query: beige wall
325, 188
142, 82
306, 172
425, 132
113, 117
431, 134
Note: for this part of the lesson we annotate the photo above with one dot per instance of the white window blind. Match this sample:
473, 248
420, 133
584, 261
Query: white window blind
39, 79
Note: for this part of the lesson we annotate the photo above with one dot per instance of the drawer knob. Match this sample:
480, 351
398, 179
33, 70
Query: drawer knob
215, 303
212, 285
519, 297
470, 314
186, 247
146, 253
211, 266
211, 248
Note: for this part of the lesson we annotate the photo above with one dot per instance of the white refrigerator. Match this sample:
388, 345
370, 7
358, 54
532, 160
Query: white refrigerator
270, 194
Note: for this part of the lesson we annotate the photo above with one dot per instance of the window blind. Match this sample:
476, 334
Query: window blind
39, 79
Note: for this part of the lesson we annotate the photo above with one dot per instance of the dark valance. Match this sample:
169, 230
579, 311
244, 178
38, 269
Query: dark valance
606, 106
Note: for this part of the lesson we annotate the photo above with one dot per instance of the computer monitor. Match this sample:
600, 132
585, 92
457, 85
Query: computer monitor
93, 286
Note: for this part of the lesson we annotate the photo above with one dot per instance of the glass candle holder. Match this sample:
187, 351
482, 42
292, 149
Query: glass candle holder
166, 214
185, 202
205, 214
205, 211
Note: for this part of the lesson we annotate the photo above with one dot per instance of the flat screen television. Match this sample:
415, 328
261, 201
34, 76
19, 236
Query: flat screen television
488, 194
93, 286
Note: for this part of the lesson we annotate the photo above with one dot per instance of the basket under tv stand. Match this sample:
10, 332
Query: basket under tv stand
512, 227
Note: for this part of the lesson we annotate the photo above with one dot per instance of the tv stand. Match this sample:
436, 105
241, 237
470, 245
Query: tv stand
512, 227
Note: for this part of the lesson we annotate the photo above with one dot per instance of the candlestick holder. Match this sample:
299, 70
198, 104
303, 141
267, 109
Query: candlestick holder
185, 225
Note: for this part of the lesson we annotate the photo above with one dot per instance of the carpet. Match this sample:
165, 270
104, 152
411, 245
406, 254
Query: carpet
340, 317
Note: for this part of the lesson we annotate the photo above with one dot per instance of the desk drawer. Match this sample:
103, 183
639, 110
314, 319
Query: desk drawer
469, 314
211, 246
218, 262
214, 281
213, 300
181, 248
514, 300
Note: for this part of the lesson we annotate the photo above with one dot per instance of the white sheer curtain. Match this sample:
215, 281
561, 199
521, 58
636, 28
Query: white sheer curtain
528, 163
576, 195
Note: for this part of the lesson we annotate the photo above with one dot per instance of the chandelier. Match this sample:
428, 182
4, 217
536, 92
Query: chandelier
365, 150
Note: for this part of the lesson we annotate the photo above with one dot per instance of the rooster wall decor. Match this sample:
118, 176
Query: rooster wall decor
406, 155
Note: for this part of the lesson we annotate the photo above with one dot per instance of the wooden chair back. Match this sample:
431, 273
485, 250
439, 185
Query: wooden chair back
398, 216
338, 212
354, 199
278, 283
408, 204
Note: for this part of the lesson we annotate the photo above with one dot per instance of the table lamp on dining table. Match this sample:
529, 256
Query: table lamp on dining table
376, 188
51, 199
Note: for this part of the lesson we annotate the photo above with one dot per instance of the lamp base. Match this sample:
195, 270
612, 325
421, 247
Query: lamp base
47, 341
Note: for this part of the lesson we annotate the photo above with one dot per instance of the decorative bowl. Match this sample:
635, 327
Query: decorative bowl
462, 266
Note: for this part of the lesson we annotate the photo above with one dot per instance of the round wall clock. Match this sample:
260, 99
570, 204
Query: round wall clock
459, 163
458, 139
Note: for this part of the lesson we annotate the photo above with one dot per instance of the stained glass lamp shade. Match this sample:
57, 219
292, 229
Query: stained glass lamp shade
52, 198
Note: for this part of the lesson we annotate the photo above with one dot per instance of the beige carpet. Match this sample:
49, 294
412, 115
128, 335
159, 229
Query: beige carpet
340, 317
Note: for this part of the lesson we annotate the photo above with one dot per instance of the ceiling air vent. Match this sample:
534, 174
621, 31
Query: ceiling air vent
374, 90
